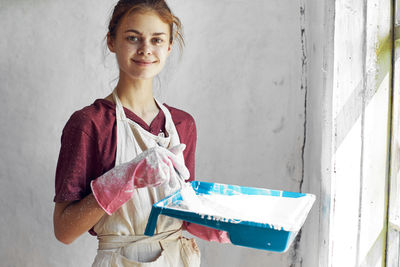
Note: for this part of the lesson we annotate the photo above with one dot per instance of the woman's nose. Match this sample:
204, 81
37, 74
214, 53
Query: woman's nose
144, 49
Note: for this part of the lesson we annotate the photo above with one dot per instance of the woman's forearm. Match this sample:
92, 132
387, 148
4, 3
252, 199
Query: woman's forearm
72, 219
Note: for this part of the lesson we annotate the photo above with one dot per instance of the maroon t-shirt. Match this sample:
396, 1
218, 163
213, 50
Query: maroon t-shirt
89, 144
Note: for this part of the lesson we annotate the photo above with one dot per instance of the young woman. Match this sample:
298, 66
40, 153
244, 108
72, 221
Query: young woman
125, 152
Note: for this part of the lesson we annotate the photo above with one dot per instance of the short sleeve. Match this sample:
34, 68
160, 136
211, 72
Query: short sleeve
76, 163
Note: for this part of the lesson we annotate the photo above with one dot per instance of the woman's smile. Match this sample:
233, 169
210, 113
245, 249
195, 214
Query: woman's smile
143, 63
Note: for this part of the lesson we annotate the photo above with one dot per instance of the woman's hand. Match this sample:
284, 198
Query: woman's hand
207, 233
158, 165
153, 167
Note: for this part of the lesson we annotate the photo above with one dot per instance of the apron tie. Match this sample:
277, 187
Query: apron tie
119, 241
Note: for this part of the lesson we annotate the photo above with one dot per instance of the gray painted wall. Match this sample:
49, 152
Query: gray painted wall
243, 76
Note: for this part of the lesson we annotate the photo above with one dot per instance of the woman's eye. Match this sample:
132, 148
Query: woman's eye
158, 40
133, 38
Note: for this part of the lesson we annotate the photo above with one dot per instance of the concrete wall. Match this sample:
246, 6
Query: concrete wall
244, 76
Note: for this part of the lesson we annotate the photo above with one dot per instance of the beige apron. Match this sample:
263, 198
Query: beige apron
121, 236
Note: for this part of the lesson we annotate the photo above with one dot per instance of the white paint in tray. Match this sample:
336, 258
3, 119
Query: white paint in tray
277, 211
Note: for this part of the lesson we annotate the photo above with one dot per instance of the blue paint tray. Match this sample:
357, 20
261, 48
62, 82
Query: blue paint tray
260, 235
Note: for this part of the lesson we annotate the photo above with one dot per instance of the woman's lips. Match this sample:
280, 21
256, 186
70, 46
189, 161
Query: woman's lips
143, 63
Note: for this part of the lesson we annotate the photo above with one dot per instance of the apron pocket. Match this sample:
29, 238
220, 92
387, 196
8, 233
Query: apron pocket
190, 252
119, 260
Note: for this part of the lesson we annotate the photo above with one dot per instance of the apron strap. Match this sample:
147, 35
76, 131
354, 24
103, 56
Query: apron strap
120, 114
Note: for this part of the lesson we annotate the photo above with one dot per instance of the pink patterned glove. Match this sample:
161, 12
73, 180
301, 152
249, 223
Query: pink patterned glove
153, 167
207, 233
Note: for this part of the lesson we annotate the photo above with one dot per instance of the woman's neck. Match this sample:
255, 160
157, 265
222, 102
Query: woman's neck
137, 95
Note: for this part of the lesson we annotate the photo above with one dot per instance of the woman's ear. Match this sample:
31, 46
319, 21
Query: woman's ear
110, 43
169, 48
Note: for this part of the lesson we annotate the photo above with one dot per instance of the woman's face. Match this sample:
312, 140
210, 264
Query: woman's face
141, 45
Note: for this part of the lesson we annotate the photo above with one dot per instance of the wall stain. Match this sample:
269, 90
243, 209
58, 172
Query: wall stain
291, 168
280, 82
280, 126
297, 261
